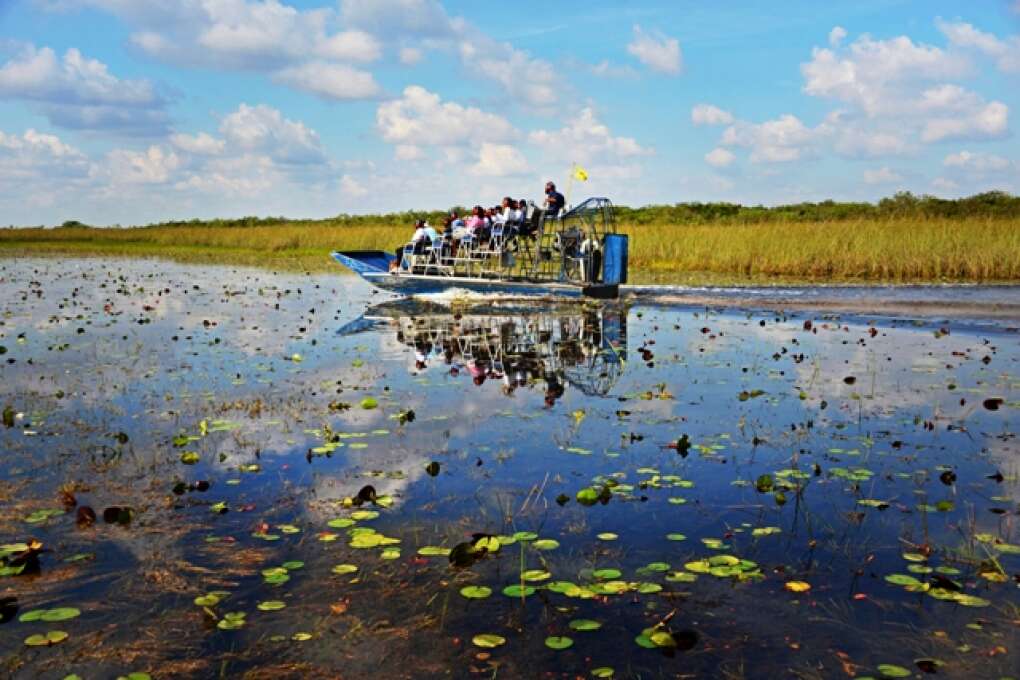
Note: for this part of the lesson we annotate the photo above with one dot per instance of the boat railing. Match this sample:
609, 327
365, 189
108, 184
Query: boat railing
563, 248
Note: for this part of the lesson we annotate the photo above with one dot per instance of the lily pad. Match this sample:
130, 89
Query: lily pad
517, 590
343, 569
558, 642
488, 640
476, 592
545, 544
50, 638
271, 605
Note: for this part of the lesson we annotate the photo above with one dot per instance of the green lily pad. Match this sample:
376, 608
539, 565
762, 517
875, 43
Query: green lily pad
488, 640
50, 615
342, 569
545, 544
535, 575
476, 592
517, 590
53, 637
271, 605
558, 642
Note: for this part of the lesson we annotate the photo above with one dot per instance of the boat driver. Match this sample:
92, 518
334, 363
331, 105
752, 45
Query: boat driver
554, 201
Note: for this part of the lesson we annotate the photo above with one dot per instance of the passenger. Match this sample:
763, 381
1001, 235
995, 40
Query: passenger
554, 201
451, 222
506, 213
417, 239
476, 221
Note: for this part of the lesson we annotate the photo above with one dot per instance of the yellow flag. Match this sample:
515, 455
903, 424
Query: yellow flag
580, 173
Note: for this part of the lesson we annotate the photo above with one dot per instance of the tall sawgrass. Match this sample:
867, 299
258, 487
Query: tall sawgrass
967, 249
896, 249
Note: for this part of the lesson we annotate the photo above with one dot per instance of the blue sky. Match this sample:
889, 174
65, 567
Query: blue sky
132, 111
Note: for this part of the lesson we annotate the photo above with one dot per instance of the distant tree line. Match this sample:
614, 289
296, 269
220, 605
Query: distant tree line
991, 204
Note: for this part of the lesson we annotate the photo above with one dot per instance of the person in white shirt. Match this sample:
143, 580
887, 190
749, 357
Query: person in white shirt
422, 231
507, 213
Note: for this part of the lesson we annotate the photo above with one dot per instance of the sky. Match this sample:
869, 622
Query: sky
138, 111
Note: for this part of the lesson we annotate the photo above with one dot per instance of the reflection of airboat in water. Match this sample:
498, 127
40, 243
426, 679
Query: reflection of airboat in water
575, 254
585, 347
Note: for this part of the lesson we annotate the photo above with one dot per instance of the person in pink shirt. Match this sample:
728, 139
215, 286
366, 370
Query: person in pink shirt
477, 219
472, 224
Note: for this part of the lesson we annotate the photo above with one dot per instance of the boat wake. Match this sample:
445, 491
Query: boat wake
454, 296
937, 300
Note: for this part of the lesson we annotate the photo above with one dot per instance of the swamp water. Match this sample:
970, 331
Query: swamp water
221, 472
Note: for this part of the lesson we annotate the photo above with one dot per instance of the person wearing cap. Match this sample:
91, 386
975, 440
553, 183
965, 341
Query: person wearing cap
554, 201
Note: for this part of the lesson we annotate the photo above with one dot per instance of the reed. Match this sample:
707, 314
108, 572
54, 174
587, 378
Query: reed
897, 249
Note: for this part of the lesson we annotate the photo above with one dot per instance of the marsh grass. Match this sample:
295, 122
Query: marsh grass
911, 249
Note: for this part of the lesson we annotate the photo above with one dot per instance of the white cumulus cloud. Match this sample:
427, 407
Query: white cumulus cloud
1005, 51
263, 36
719, 157
658, 52
76, 92
978, 162
520, 76
202, 144
707, 114
351, 187
263, 129
329, 80
155, 165
422, 118
990, 121
585, 138
877, 75
836, 36
500, 160
781, 140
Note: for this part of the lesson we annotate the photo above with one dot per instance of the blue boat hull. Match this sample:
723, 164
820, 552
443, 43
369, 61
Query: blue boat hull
373, 267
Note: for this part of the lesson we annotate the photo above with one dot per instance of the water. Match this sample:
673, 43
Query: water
644, 437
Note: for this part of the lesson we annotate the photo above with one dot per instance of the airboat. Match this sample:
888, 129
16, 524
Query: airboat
576, 254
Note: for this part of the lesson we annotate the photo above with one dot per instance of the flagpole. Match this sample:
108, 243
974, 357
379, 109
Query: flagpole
570, 183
